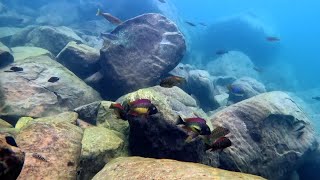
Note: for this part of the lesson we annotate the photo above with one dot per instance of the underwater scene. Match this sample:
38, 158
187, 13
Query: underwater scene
159, 90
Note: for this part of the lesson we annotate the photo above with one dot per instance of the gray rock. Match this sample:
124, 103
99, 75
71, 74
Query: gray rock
271, 136
53, 39
28, 93
5, 55
7, 32
81, 59
234, 63
89, 112
221, 83
149, 46
25, 52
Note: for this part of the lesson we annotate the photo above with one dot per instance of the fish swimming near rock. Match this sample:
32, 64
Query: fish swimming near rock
221, 52
119, 110
220, 143
197, 126
218, 132
53, 79
272, 39
259, 70
171, 81
40, 157
162, 1
109, 17
236, 90
316, 98
15, 69
190, 23
203, 24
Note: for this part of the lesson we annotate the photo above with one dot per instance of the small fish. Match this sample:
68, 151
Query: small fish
142, 107
119, 110
196, 125
221, 52
203, 24
38, 156
171, 81
316, 98
190, 23
70, 163
53, 79
15, 69
259, 70
10, 140
109, 36
236, 90
109, 17
220, 143
272, 39
162, 1
218, 132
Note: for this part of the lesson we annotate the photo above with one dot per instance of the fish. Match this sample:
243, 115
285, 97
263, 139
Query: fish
40, 157
197, 126
259, 70
190, 23
109, 17
236, 90
141, 107
218, 132
316, 98
162, 1
15, 69
220, 143
53, 79
109, 36
203, 24
272, 39
171, 81
221, 52
10, 140
119, 110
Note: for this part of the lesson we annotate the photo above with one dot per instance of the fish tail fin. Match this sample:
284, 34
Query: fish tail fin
180, 120
116, 106
98, 12
189, 139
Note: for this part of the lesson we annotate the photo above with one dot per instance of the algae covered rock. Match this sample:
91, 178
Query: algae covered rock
271, 136
81, 59
145, 48
99, 146
28, 93
23, 121
134, 168
25, 52
5, 124
5, 55
52, 149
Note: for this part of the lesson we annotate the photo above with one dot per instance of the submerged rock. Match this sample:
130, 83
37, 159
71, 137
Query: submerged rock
134, 168
28, 93
53, 39
5, 124
80, 59
145, 48
5, 55
271, 136
25, 52
99, 146
52, 148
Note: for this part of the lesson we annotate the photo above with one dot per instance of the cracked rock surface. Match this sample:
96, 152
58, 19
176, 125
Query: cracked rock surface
28, 93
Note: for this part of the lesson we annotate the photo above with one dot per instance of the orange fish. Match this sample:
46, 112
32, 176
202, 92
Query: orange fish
109, 17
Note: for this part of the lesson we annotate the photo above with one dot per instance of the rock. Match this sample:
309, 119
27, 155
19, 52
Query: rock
311, 167
93, 41
234, 63
149, 43
7, 32
81, 59
5, 55
28, 93
11, 159
250, 86
221, 83
53, 39
22, 122
52, 149
222, 99
89, 112
5, 124
134, 168
25, 52
271, 136
99, 146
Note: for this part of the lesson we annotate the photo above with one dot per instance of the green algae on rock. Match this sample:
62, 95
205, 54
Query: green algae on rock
25, 52
5, 124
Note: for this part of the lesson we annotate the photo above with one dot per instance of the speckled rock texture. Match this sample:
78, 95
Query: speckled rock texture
25, 52
271, 136
52, 146
5, 55
146, 48
136, 168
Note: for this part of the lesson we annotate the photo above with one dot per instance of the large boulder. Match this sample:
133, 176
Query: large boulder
5, 55
53, 39
28, 93
145, 48
234, 63
24, 52
80, 59
7, 32
52, 147
134, 168
271, 136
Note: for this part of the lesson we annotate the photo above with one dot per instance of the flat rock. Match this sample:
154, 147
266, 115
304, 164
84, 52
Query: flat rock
81, 59
25, 52
134, 168
145, 48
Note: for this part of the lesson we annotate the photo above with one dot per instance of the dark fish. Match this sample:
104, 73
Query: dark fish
220, 143
38, 156
53, 79
142, 107
190, 23
218, 132
171, 81
119, 110
203, 24
196, 125
70, 163
236, 90
221, 52
272, 39
259, 70
109, 36
162, 1
10, 140
316, 98
109, 17
15, 69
